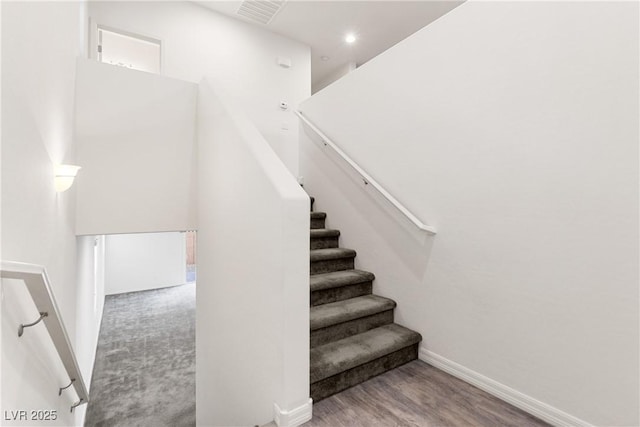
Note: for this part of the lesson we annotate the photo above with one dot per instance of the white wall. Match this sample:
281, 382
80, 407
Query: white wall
136, 146
252, 334
90, 297
138, 262
40, 43
513, 128
197, 43
338, 73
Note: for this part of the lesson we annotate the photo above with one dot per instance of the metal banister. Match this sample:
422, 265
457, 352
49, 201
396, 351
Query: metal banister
37, 282
366, 178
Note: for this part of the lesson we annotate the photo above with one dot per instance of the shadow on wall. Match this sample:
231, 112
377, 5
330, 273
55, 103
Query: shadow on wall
359, 200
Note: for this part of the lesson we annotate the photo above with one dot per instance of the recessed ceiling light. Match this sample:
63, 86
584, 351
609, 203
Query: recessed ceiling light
350, 38
324, 58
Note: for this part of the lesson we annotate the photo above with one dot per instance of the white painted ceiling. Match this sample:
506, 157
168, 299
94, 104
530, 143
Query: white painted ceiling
323, 25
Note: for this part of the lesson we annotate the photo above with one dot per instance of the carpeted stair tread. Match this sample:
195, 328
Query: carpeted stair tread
317, 220
331, 253
323, 238
338, 279
334, 313
324, 232
338, 356
352, 337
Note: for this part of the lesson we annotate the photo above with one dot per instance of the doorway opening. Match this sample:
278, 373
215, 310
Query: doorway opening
191, 243
145, 357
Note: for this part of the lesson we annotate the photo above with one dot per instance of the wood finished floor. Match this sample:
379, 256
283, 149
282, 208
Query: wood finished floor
417, 394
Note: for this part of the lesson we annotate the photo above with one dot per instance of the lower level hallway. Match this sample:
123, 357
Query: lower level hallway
144, 373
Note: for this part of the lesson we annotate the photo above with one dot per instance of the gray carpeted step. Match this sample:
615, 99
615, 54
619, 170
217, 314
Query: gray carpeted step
317, 219
352, 337
337, 383
323, 238
340, 285
340, 364
338, 320
333, 259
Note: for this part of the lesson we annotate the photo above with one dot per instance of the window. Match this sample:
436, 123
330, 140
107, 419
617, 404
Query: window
128, 50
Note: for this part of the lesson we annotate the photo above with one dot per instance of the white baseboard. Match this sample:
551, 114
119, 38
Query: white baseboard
294, 417
528, 404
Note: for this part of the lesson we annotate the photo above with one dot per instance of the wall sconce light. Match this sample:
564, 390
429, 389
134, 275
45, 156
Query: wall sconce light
65, 174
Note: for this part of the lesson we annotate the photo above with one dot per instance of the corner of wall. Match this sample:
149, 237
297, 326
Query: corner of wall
293, 417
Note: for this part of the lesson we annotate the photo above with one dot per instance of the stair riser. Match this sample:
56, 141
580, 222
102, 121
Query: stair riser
352, 327
324, 242
342, 293
332, 385
317, 223
327, 266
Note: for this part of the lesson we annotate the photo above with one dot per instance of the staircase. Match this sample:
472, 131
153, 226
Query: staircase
353, 337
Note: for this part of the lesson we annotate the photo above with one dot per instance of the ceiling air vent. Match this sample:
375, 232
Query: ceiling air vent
261, 11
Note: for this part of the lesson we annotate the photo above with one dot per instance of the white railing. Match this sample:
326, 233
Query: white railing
37, 282
366, 178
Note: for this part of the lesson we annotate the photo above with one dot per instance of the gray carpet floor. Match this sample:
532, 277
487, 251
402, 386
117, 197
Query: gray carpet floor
144, 374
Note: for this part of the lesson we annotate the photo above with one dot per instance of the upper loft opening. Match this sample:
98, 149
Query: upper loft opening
129, 50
